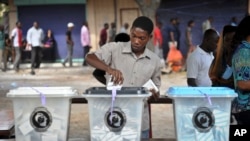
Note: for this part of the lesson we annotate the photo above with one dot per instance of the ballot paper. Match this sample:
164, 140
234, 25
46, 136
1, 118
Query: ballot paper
150, 85
110, 84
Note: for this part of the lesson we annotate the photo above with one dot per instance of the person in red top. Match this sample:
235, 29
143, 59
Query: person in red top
16, 40
104, 35
157, 38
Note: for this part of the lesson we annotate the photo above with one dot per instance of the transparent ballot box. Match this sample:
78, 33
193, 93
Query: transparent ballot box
202, 113
115, 115
41, 113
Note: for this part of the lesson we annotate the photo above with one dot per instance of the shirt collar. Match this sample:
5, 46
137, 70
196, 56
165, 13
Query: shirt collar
127, 49
202, 51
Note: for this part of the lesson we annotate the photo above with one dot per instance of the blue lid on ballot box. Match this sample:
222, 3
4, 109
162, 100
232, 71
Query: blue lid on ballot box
200, 92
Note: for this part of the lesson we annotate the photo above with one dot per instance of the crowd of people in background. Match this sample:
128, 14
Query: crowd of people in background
174, 53
15, 43
38, 46
166, 41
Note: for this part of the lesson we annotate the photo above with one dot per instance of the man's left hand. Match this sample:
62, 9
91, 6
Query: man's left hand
155, 95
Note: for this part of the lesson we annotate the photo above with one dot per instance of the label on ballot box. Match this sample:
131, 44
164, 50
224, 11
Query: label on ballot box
41, 119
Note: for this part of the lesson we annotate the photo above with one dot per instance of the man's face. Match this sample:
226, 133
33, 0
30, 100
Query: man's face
139, 38
213, 42
19, 25
35, 24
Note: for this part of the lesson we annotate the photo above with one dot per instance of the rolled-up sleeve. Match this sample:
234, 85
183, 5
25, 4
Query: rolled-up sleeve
105, 53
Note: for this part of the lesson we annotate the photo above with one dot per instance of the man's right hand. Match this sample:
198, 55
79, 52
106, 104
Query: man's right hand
117, 76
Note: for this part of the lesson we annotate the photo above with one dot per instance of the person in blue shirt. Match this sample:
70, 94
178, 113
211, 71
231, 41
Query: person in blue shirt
169, 34
241, 72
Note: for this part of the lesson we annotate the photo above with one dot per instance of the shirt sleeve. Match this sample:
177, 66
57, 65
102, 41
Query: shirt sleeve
42, 35
13, 33
29, 36
83, 36
156, 78
192, 67
105, 52
85, 39
110, 33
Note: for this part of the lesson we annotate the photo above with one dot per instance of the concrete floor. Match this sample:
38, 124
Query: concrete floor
80, 78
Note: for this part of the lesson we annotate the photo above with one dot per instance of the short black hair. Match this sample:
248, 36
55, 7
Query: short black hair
144, 23
106, 24
18, 22
209, 33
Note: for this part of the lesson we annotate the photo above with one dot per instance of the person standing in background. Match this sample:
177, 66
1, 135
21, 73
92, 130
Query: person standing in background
220, 71
85, 41
70, 45
199, 61
112, 32
233, 21
124, 28
178, 32
207, 24
189, 41
168, 34
16, 40
2, 39
104, 35
35, 37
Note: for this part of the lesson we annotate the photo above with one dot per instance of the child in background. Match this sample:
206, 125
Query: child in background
174, 59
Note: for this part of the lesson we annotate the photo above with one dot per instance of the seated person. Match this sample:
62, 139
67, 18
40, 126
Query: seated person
174, 59
49, 47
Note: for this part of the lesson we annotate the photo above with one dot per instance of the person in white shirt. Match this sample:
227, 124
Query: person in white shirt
124, 28
16, 39
35, 36
207, 24
199, 61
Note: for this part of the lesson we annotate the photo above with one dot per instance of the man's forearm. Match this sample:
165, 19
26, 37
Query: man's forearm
243, 85
96, 62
